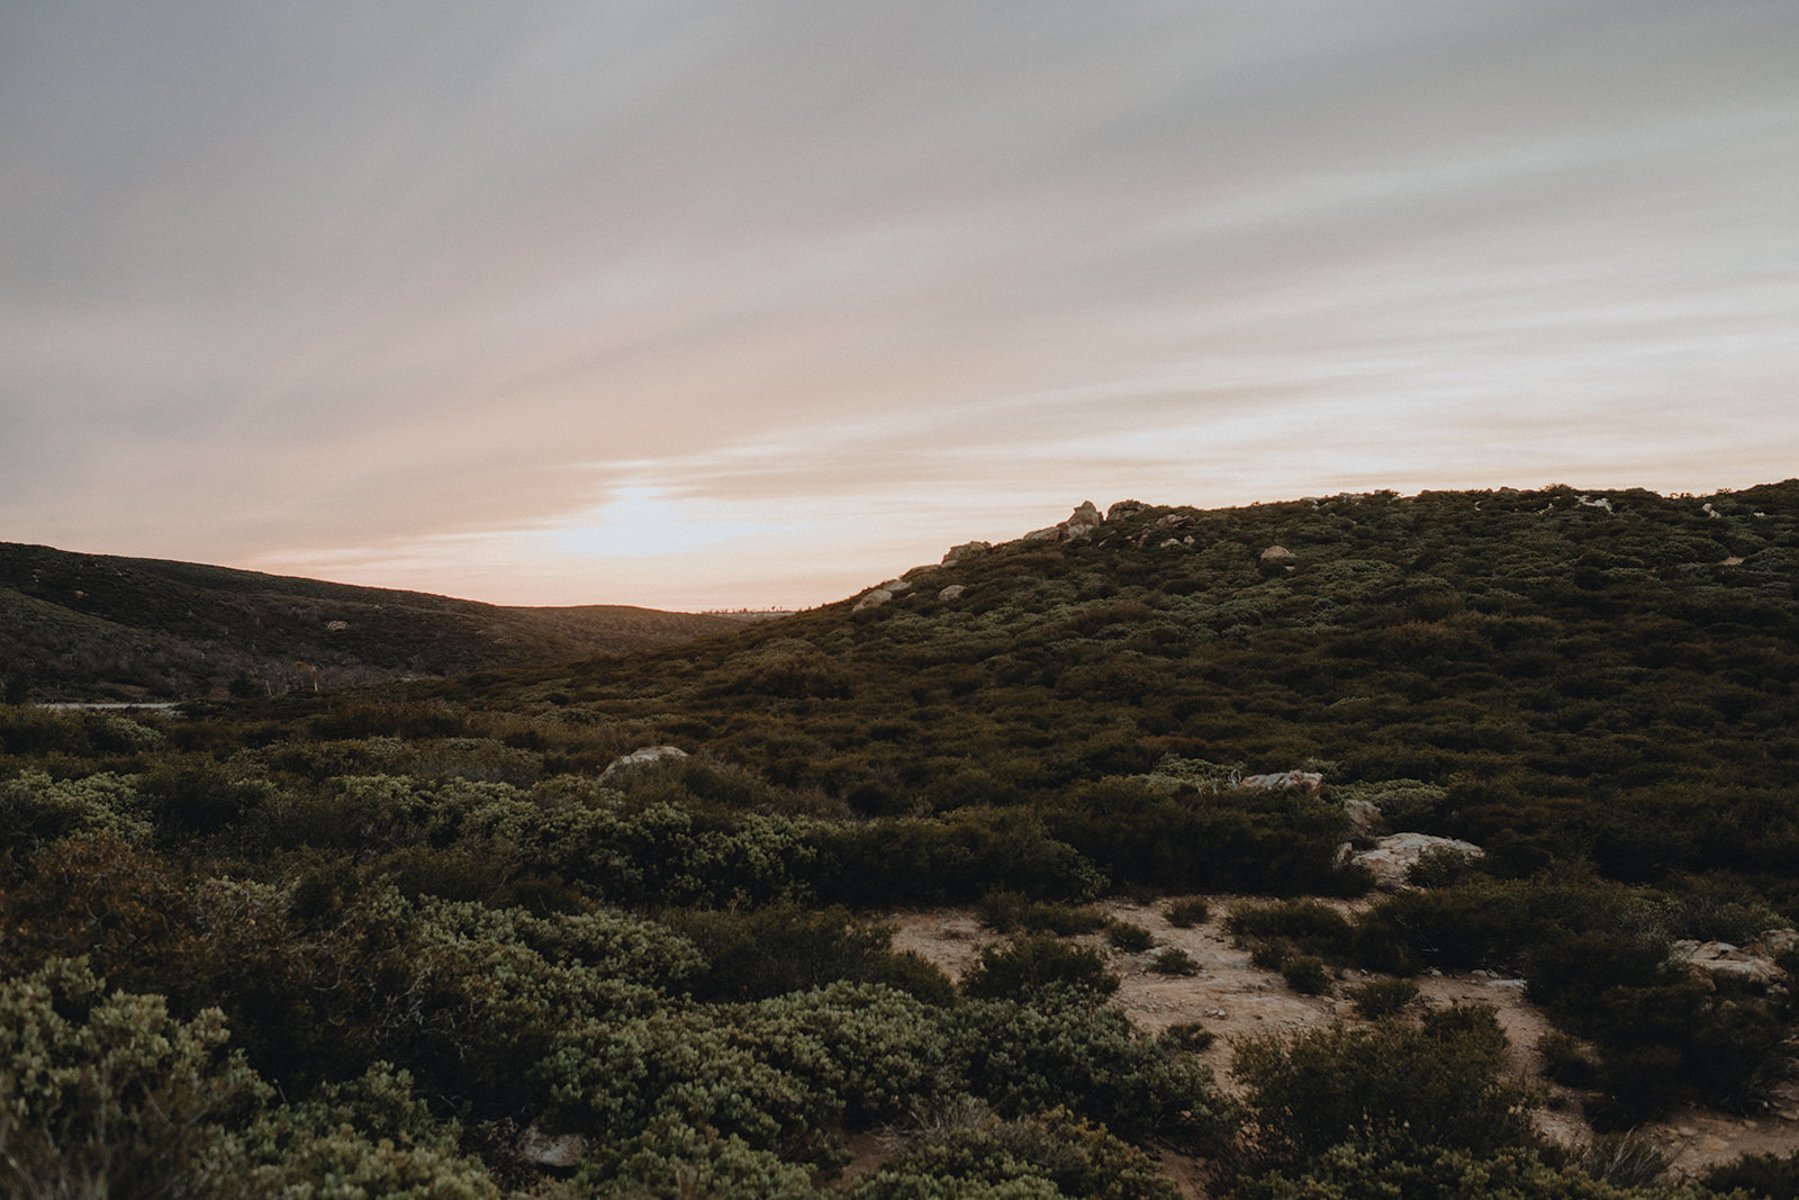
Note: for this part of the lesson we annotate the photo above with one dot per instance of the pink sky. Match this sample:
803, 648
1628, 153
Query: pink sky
710, 305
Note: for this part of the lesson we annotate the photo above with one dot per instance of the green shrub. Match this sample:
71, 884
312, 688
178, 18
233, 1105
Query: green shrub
1775, 1177
1025, 966
1007, 912
1380, 998
1188, 913
1567, 1062
1189, 1036
1391, 1087
1306, 974
1311, 927
1172, 960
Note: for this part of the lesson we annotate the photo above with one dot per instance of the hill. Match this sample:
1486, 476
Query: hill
629, 928
84, 626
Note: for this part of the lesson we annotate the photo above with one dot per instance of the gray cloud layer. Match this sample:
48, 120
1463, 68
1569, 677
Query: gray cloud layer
465, 296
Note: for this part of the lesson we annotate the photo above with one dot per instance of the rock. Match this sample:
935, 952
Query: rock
1167, 542
1721, 960
954, 591
1392, 858
1277, 554
966, 551
1711, 512
894, 587
1082, 522
560, 1152
1170, 519
1309, 781
336, 626
1588, 502
1125, 508
873, 598
1776, 941
638, 760
1364, 816
1510, 985
1731, 560
1052, 534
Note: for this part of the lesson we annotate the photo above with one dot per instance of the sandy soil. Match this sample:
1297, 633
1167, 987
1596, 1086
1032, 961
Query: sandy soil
1234, 999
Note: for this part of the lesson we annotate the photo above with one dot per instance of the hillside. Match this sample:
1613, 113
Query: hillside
1067, 867
98, 626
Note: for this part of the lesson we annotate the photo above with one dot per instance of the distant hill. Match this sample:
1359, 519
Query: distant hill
94, 626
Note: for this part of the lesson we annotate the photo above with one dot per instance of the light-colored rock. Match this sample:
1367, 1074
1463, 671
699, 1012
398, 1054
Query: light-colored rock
558, 1152
336, 626
1277, 554
1731, 560
1170, 519
1167, 542
954, 591
966, 551
1604, 502
1392, 858
1776, 941
1364, 816
1082, 522
1125, 508
1711, 512
1721, 960
639, 759
873, 598
896, 586
1307, 781
1052, 534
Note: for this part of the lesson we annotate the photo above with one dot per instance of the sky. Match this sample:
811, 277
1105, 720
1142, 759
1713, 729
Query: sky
716, 305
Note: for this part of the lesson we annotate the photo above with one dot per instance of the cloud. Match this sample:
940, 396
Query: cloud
476, 296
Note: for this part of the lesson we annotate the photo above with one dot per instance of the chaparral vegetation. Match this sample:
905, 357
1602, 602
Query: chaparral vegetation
435, 939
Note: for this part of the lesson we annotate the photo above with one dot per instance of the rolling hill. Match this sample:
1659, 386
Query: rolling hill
88, 626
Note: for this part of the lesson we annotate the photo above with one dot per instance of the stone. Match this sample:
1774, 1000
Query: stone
1308, 781
1052, 534
1776, 941
873, 598
1588, 502
895, 586
1277, 554
336, 626
1167, 542
1364, 816
640, 759
554, 1152
1125, 508
1082, 522
954, 591
1391, 859
1721, 960
966, 551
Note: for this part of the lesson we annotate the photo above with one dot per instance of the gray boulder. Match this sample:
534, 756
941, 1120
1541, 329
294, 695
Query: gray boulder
640, 759
1391, 859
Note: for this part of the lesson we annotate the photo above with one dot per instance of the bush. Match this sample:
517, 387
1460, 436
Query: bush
1026, 966
1392, 1088
1567, 1062
1775, 1177
1172, 960
1132, 939
1188, 913
1380, 998
1305, 974
1007, 912
1311, 927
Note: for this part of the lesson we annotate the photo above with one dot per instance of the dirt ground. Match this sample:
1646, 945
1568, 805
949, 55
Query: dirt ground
1233, 998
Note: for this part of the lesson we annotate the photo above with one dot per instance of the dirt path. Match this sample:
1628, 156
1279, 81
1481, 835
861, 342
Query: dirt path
1233, 998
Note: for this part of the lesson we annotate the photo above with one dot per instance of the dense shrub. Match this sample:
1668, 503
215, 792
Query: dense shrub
1026, 966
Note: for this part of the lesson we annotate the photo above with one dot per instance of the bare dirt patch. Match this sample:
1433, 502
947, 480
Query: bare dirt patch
1234, 999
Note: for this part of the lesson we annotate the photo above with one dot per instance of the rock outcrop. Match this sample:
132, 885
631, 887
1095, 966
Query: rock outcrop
1753, 965
966, 551
1278, 554
626, 765
1391, 859
873, 598
1305, 781
954, 591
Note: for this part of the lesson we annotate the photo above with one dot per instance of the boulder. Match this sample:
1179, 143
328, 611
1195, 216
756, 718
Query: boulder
1392, 858
966, 551
873, 598
553, 1152
1308, 781
1364, 817
1125, 508
954, 591
896, 586
645, 756
1276, 554
1721, 960
1052, 534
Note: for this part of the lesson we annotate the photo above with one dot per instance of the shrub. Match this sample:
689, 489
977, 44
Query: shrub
1567, 1062
1306, 975
1133, 939
1172, 960
1311, 927
1187, 913
1006, 912
1773, 1176
1390, 1087
1025, 966
1380, 998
